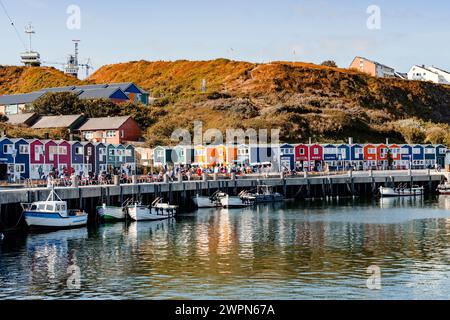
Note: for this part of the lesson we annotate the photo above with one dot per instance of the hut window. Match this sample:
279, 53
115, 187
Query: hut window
7, 149
372, 150
62, 150
416, 151
78, 151
24, 149
302, 152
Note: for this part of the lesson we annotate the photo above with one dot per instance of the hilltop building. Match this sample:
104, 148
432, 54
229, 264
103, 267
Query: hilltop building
115, 130
431, 74
372, 68
117, 92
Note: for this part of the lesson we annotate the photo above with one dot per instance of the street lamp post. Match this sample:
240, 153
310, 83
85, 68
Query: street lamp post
14, 155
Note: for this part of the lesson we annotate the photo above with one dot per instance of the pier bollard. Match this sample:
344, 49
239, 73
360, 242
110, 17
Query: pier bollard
180, 178
305, 174
215, 176
205, 177
350, 173
116, 180
282, 175
166, 178
233, 176
134, 179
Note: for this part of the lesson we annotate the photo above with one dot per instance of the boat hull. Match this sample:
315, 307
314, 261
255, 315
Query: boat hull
36, 220
111, 213
142, 213
390, 192
205, 202
233, 202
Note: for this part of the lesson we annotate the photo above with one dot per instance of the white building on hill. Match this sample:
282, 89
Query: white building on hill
432, 74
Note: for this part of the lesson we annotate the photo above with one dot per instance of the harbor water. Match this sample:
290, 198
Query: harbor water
292, 250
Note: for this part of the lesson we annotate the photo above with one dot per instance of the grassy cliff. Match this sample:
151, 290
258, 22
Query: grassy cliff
303, 100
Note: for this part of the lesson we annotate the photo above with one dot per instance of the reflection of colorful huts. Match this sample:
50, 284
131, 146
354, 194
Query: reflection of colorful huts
287, 157
37, 159
22, 159
162, 156
77, 157
100, 159
200, 156
418, 156
182, 155
243, 155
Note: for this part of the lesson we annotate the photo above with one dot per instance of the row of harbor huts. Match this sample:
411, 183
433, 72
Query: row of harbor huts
35, 158
301, 157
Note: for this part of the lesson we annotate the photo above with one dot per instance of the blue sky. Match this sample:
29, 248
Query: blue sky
412, 32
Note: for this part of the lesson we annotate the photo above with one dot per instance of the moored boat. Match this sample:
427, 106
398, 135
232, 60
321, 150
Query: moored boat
208, 202
263, 194
110, 213
162, 211
53, 214
444, 188
228, 201
402, 191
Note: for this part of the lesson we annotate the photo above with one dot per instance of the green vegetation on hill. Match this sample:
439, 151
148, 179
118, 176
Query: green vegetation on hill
303, 100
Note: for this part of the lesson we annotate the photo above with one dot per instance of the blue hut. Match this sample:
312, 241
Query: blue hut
441, 152
330, 156
430, 156
182, 155
77, 157
418, 156
7, 151
111, 155
406, 156
357, 156
101, 158
22, 167
287, 157
162, 156
343, 153
121, 158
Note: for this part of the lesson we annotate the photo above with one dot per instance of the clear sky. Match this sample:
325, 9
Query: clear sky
412, 32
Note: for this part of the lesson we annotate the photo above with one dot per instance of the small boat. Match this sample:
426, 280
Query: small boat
402, 191
444, 188
110, 213
53, 214
209, 202
228, 201
263, 194
158, 211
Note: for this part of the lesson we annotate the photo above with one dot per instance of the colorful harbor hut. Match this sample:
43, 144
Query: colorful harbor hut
101, 164
37, 159
287, 157
406, 156
111, 152
182, 155
232, 155
243, 155
89, 157
77, 157
130, 159
200, 156
343, 153
441, 152
396, 155
357, 156
22, 159
162, 156
382, 156
370, 156
330, 156
301, 157
418, 156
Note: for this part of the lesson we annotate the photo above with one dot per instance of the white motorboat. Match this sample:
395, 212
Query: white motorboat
402, 191
208, 202
234, 202
53, 214
110, 213
138, 212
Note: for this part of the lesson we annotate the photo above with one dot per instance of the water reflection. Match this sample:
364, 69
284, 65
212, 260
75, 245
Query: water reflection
283, 251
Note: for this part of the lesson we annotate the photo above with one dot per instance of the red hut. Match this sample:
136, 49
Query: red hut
37, 159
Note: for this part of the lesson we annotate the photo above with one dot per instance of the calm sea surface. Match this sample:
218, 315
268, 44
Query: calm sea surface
315, 250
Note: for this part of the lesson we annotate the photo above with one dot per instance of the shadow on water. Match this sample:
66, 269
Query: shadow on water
292, 250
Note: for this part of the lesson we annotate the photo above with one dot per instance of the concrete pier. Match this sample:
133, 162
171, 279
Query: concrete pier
304, 186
